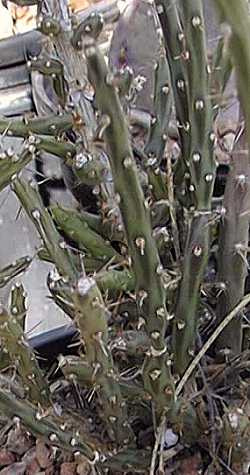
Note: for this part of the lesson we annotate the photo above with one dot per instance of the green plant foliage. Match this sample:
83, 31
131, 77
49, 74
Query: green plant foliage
137, 277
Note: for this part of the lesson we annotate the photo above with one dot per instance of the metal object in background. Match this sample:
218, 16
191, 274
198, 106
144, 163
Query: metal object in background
16, 100
58, 341
16, 49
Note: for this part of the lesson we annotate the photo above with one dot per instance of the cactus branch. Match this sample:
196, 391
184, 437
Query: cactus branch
233, 245
136, 218
39, 215
238, 20
18, 303
74, 227
91, 316
52, 430
22, 355
46, 427
11, 164
50, 125
12, 270
186, 51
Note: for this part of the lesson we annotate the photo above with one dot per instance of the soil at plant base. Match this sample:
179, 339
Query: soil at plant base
22, 454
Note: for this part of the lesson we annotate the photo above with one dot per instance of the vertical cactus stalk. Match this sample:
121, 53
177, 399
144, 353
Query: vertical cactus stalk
158, 132
74, 66
22, 356
221, 71
136, 218
186, 52
238, 20
18, 303
235, 226
233, 247
91, 316
175, 49
163, 104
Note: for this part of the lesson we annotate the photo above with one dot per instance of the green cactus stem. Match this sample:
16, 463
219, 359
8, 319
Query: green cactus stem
186, 51
64, 150
136, 218
123, 80
92, 25
90, 168
61, 293
12, 164
18, 303
175, 49
134, 343
91, 317
60, 46
233, 247
87, 240
49, 428
234, 228
18, 128
156, 177
200, 111
158, 131
195, 259
48, 26
49, 125
221, 71
14, 269
23, 358
239, 22
110, 282
163, 105
91, 265
115, 280
39, 215
100, 226
52, 68
78, 369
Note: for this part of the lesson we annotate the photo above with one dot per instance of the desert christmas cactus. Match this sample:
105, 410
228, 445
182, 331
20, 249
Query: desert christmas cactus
153, 275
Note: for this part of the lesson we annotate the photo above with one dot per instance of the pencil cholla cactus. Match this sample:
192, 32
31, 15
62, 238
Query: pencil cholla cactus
133, 263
